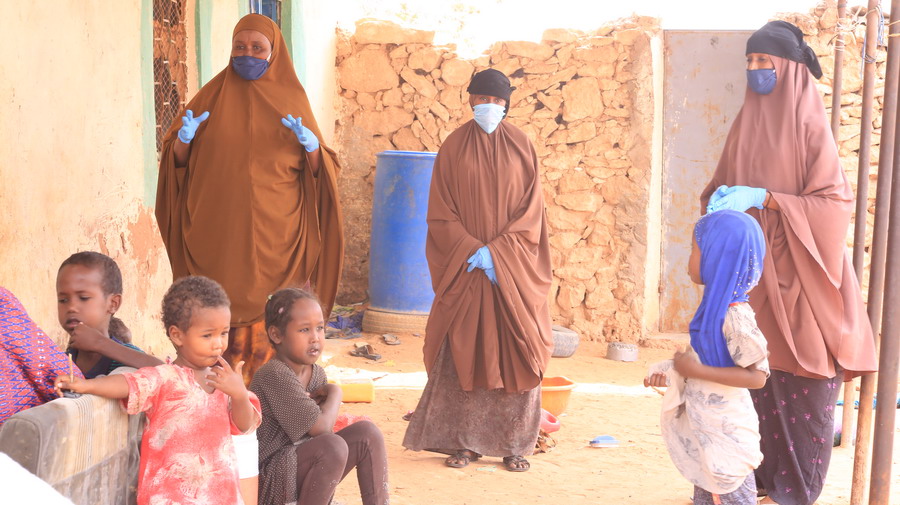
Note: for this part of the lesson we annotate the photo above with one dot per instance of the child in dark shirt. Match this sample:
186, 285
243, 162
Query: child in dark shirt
89, 292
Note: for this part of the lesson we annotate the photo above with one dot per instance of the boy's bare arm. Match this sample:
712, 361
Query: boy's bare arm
128, 356
85, 338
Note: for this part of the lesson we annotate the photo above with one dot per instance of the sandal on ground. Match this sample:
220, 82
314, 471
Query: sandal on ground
461, 459
516, 463
364, 350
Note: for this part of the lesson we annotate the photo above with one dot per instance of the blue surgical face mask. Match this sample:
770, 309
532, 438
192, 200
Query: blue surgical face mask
248, 67
762, 80
489, 115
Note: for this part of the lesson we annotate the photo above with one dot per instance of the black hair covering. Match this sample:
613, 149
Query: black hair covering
491, 82
780, 38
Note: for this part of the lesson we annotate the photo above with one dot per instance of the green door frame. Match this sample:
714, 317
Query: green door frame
148, 133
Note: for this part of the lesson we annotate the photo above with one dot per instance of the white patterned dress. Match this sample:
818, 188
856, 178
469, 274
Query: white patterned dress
712, 430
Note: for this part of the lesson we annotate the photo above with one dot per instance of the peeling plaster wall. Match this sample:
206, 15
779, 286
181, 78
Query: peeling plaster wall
71, 158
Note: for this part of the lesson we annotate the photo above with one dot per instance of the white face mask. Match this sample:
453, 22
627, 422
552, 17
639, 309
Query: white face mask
488, 116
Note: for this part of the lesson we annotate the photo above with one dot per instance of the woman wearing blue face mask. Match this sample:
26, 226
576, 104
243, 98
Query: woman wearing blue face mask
247, 190
488, 338
780, 165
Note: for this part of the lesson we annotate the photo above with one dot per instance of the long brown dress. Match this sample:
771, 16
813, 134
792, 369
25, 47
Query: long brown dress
486, 347
247, 210
808, 303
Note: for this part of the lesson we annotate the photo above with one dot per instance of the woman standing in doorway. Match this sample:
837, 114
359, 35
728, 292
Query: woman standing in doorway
780, 164
247, 192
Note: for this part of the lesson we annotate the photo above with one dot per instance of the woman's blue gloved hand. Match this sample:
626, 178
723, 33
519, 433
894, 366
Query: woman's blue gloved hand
306, 137
715, 197
190, 124
481, 259
738, 198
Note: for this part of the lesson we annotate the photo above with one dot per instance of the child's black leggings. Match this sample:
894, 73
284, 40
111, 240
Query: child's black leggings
325, 460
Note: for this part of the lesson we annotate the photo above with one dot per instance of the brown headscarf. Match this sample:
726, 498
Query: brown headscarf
247, 210
808, 303
486, 190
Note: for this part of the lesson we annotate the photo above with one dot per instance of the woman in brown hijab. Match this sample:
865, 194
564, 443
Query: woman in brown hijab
488, 336
247, 196
780, 164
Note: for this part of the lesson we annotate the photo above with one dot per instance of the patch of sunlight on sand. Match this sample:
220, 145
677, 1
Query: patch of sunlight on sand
417, 380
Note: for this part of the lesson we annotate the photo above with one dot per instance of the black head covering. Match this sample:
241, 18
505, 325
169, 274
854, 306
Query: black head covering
780, 38
491, 82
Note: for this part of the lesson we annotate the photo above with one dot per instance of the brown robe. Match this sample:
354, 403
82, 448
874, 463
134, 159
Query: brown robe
247, 210
485, 190
808, 303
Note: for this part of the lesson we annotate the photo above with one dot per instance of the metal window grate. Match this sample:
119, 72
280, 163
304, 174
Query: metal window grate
270, 8
169, 63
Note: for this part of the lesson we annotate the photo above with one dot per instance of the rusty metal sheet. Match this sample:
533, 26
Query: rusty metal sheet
704, 88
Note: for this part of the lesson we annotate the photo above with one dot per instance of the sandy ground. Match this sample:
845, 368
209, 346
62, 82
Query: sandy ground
609, 400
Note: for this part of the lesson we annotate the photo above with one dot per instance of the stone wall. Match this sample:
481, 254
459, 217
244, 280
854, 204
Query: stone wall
586, 101
583, 100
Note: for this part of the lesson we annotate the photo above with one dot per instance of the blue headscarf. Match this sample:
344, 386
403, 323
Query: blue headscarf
732, 248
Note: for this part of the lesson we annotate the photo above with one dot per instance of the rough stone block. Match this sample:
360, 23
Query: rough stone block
627, 37
426, 59
586, 201
383, 122
575, 181
419, 82
404, 140
562, 35
456, 72
532, 50
367, 71
582, 132
370, 31
581, 99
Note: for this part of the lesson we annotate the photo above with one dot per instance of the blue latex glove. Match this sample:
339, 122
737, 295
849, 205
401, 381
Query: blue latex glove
186, 133
715, 197
491, 275
739, 198
306, 137
481, 259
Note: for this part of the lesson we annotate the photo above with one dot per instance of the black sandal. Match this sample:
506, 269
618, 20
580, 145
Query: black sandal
515, 463
461, 459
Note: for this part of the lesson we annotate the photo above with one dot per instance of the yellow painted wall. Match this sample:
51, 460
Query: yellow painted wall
72, 174
71, 157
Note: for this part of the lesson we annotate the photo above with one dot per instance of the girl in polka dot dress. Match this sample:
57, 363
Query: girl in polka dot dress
301, 460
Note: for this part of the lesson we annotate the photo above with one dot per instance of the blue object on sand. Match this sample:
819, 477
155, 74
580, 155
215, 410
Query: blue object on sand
604, 441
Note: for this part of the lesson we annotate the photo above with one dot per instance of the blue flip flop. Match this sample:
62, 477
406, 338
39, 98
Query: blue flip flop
604, 441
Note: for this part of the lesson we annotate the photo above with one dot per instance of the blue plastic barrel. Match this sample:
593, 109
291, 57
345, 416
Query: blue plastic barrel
399, 281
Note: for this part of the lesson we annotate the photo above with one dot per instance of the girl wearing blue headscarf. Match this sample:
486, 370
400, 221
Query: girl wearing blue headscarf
708, 420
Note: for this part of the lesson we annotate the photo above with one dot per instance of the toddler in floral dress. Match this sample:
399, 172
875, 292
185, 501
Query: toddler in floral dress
193, 405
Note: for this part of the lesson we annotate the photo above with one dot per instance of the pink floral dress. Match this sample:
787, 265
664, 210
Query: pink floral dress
187, 456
